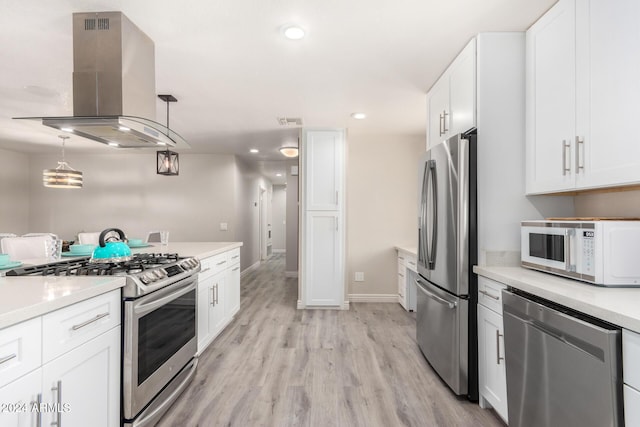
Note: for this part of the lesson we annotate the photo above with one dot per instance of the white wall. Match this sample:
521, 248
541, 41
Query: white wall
619, 204
14, 191
382, 188
279, 215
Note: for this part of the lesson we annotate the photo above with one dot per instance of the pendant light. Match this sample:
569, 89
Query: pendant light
64, 176
167, 161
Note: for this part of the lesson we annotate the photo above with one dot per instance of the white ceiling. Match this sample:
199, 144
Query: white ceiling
234, 73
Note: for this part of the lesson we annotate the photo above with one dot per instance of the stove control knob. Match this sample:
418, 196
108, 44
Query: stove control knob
144, 279
150, 277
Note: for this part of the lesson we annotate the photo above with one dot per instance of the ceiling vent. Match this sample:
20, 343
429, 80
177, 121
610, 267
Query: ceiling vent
290, 121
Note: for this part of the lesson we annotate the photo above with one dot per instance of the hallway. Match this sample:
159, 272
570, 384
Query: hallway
275, 365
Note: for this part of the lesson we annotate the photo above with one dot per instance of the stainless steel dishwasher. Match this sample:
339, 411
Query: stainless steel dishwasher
564, 368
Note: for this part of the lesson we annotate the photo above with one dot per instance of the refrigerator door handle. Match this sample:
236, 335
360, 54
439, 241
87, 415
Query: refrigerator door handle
422, 249
436, 298
434, 209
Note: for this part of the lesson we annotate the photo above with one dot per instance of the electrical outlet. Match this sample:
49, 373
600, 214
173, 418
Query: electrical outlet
359, 276
223, 226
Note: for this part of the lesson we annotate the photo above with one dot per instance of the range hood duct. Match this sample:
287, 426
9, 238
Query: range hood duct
114, 90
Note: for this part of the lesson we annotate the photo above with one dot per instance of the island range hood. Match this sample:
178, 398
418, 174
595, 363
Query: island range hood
114, 93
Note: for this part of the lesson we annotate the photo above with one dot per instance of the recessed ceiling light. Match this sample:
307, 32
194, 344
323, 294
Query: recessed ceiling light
278, 174
254, 150
161, 143
114, 144
124, 128
293, 32
66, 129
359, 116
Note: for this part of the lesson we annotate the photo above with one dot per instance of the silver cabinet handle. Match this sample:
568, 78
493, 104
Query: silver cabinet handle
205, 270
400, 274
236, 269
221, 262
444, 122
217, 293
7, 358
213, 298
58, 388
498, 358
440, 125
90, 321
579, 141
489, 295
565, 169
235, 256
435, 297
402, 258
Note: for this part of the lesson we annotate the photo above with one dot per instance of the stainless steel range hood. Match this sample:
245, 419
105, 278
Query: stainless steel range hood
114, 93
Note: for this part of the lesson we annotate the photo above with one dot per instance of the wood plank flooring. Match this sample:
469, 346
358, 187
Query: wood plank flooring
275, 365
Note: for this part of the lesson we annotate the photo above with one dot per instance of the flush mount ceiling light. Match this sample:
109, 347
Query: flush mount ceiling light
167, 162
289, 151
359, 116
254, 151
64, 176
293, 32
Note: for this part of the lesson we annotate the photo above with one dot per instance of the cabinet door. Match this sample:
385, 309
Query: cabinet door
492, 374
324, 153
462, 89
550, 100
85, 384
218, 314
608, 70
323, 267
438, 111
205, 299
232, 296
21, 400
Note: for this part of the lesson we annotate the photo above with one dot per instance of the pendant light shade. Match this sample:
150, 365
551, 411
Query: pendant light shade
167, 161
64, 176
289, 151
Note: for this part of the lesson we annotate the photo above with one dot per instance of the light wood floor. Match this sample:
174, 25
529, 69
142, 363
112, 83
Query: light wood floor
279, 366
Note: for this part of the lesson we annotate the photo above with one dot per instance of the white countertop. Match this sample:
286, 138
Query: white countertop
408, 249
22, 298
620, 306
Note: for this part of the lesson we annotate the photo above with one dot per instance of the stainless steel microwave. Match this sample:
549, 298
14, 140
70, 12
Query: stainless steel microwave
605, 253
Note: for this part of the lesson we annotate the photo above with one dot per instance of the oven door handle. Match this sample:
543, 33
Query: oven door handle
159, 298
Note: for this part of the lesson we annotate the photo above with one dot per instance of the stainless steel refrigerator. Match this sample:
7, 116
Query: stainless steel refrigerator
446, 325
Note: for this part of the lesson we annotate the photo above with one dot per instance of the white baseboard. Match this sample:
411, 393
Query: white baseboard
373, 297
343, 306
250, 268
293, 274
279, 251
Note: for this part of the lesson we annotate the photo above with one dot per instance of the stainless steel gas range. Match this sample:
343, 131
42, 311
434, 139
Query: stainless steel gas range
159, 339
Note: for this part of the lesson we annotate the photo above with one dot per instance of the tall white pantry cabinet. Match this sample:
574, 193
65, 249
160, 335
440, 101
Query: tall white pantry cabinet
322, 240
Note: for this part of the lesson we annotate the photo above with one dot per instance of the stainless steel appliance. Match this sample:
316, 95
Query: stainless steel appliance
564, 368
601, 252
159, 327
447, 250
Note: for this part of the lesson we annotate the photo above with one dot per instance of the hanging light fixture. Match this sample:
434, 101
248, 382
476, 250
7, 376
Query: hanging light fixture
289, 151
64, 176
167, 160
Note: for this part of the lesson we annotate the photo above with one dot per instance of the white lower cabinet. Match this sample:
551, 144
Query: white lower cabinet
631, 377
492, 374
78, 381
218, 295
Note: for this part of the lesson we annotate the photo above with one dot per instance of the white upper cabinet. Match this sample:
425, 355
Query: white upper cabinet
323, 162
451, 101
583, 59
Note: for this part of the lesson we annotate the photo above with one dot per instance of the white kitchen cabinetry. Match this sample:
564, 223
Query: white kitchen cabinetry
218, 295
322, 214
492, 376
451, 102
631, 376
407, 269
76, 376
583, 59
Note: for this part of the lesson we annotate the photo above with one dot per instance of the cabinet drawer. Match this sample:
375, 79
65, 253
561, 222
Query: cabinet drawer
411, 263
631, 406
233, 257
69, 327
402, 258
631, 358
490, 293
20, 350
214, 264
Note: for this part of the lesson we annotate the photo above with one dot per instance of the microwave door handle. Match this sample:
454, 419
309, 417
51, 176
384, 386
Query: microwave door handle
568, 234
434, 208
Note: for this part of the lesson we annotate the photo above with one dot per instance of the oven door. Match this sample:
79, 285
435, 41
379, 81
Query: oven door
159, 340
552, 249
